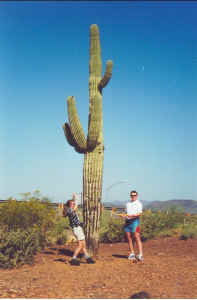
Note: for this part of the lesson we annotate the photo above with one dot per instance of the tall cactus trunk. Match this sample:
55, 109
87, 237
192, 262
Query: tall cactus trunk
92, 192
93, 146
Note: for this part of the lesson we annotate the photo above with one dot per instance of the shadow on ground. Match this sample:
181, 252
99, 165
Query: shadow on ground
140, 295
68, 252
48, 252
119, 256
60, 260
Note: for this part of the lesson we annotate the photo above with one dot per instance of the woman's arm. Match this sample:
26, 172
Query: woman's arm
75, 207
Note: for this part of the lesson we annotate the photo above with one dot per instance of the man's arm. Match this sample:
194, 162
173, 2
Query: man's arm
128, 216
118, 214
134, 216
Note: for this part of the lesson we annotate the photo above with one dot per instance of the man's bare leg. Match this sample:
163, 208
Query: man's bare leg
129, 239
139, 243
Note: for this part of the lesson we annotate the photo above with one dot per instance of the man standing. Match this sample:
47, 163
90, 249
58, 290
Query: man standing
132, 225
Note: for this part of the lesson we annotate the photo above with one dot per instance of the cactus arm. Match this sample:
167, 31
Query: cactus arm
68, 134
70, 138
75, 126
95, 122
107, 76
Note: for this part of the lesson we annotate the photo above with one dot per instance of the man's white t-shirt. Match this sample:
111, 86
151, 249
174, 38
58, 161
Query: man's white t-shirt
134, 207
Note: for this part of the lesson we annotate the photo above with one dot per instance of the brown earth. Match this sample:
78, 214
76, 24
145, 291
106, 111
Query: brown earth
169, 271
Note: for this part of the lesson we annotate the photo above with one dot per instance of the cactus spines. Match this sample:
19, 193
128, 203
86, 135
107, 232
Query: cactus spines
93, 145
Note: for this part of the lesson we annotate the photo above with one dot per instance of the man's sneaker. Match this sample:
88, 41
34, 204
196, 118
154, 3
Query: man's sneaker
90, 261
132, 256
140, 257
74, 262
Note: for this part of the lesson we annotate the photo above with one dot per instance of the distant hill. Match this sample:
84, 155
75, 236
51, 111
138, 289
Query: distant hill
123, 203
112, 204
189, 206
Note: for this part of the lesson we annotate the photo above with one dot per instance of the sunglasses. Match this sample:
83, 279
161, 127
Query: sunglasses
133, 195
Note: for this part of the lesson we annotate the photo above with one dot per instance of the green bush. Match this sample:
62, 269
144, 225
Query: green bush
19, 247
25, 224
165, 233
189, 231
59, 233
112, 229
160, 223
32, 211
174, 216
153, 224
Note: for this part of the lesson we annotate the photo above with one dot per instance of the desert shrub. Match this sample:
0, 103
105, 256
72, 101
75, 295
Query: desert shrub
191, 218
59, 233
25, 225
165, 233
188, 231
105, 217
32, 211
153, 224
19, 247
112, 229
174, 216
161, 223
62, 238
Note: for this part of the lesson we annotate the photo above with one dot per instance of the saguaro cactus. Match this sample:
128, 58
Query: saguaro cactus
93, 146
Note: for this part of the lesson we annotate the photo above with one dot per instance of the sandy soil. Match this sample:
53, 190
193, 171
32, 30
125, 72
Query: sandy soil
169, 271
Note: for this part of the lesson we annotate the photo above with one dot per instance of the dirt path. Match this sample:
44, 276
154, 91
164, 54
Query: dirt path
168, 271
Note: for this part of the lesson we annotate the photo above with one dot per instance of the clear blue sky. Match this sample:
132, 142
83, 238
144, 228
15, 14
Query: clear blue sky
149, 106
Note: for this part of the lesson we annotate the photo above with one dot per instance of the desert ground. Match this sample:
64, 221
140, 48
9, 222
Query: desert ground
169, 270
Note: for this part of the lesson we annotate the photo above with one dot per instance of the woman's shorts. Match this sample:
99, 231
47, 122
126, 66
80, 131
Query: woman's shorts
132, 226
78, 233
